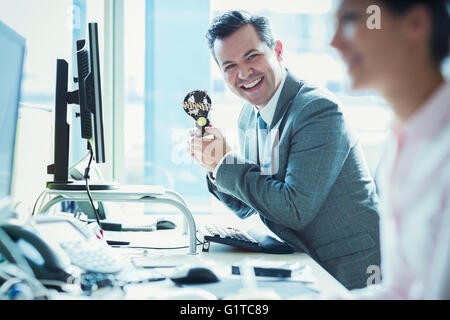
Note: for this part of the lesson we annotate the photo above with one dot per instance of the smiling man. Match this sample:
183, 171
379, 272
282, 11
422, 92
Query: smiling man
299, 166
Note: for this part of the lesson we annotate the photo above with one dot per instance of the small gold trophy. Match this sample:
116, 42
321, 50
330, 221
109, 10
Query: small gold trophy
197, 104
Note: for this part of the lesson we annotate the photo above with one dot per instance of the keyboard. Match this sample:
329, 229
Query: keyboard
252, 240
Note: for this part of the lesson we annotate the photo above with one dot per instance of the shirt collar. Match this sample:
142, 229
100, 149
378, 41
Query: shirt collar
430, 118
268, 111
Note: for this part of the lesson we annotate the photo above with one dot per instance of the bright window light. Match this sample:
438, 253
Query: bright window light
280, 6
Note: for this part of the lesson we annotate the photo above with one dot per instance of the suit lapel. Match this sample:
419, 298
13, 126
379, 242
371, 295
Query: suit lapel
289, 91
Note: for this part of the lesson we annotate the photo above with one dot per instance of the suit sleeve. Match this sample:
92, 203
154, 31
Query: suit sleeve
242, 210
319, 145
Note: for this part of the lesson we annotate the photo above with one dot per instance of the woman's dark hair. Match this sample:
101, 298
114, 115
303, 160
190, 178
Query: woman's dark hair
229, 22
440, 37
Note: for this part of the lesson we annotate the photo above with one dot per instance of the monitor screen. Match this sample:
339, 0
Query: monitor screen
11, 64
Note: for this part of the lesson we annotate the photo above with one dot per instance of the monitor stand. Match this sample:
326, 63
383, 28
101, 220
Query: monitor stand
81, 185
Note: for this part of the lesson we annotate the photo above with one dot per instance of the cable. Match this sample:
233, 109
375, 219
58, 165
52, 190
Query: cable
37, 200
14, 207
97, 215
86, 177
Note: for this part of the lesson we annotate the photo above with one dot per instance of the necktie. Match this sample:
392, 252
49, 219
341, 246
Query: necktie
262, 125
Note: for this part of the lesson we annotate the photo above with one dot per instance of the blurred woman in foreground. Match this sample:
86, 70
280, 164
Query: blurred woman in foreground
401, 59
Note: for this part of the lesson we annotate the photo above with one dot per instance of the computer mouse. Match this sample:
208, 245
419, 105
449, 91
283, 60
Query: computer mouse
193, 275
163, 224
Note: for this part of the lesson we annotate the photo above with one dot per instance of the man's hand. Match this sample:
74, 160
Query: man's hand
207, 150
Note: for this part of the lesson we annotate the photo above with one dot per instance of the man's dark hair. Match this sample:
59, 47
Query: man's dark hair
439, 11
229, 22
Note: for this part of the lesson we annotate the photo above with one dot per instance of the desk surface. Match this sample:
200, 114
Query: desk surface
219, 258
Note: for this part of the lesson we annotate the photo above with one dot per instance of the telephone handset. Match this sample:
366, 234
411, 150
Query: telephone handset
46, 261
51, 245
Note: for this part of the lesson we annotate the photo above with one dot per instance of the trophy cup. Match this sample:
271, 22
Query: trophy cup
197, 104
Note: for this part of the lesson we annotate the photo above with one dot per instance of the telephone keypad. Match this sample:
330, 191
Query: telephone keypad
92, 257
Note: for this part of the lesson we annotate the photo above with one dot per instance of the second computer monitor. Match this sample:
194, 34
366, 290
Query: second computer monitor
12, 51
89, 97
90, 93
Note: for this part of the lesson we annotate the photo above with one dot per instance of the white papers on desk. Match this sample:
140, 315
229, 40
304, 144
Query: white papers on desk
161, 260
233, 288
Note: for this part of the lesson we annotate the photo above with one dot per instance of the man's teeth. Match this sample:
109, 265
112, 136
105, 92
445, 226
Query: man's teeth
252, 84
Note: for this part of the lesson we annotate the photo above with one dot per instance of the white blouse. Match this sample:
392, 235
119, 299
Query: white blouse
414, 186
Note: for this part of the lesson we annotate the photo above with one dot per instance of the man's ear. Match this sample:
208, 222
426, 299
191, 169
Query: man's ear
279, 50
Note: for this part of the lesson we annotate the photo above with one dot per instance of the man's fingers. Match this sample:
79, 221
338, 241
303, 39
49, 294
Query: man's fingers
195, 132
213, 131
208, 137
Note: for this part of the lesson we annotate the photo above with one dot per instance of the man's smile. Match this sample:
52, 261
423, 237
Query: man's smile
253, 85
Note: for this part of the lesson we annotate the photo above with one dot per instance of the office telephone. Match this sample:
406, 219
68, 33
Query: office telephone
55, 246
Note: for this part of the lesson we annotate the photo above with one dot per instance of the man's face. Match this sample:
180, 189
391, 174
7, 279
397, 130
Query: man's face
251, 69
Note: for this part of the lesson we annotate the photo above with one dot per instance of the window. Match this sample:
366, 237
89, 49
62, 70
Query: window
135, 85
166, 57
43, 47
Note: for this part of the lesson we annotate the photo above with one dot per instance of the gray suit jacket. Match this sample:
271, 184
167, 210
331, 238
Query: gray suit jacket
321, 197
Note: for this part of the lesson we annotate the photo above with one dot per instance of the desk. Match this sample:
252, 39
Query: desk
148, 248
219, 258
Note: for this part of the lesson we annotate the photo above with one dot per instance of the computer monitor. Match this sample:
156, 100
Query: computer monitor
90, 93
12, 54
89, 97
